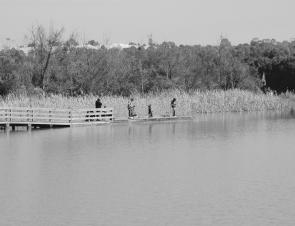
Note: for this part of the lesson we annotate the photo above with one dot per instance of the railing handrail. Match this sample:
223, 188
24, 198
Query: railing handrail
35, 115
56, 109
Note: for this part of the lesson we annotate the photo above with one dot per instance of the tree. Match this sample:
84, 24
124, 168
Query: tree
43, 44
10, 61
168, 58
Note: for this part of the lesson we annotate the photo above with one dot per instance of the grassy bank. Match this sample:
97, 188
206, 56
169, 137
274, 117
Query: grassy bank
187, 104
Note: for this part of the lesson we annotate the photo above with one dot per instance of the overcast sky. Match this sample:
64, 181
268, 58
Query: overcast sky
181, 21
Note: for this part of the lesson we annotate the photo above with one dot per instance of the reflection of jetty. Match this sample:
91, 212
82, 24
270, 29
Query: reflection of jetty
49, 118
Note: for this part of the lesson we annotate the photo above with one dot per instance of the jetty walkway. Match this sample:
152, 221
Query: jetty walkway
12, 118
50, 117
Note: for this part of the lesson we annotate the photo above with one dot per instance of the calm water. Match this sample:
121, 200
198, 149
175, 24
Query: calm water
217, 170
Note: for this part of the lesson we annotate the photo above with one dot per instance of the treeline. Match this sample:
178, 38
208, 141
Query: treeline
54, 65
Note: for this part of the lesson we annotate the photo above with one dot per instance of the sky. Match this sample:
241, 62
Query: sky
182, 21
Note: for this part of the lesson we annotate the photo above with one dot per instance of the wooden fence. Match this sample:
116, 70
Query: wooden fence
51, 116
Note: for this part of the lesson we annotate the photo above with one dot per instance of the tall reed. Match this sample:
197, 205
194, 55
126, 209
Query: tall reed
187, 103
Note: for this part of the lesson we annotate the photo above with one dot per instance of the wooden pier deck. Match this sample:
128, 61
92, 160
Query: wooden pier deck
49, 117
153, 119
12, 118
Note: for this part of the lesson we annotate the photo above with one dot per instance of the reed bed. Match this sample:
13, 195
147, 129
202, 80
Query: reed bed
187, 103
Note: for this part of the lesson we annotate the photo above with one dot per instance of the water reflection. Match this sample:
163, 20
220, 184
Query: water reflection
173, 128
231, 169
150, 130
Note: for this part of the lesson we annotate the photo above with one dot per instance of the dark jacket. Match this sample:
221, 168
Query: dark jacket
98, 103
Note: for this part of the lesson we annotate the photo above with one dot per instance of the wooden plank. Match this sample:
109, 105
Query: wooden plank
54, 123
64, 119
88, 123
57, 109
55, 119
36, 109
121, 120
25, 114
94, 109
46, 111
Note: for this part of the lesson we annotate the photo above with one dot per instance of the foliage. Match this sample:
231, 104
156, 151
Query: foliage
59, 66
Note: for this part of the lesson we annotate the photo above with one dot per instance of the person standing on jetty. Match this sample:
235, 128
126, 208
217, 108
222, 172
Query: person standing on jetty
173, 106
131, 108
150, 112
98, 103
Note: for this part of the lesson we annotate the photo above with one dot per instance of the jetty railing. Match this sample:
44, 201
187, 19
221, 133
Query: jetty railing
54, 116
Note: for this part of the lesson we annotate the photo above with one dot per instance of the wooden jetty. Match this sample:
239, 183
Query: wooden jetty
14, 117
153, 119
50, 117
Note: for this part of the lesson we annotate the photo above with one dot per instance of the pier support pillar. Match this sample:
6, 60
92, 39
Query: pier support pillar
29, 127
7, 127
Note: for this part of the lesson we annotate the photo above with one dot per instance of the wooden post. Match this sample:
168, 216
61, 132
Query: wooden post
70, 116
49, 115
6, 115
50, 120
28, 115
98, 114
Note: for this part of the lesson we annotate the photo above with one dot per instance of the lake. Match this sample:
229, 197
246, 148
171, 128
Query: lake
232, 169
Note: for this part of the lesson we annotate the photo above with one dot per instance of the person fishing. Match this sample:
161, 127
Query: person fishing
150, 112
98, 103
173, 106
131, 108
